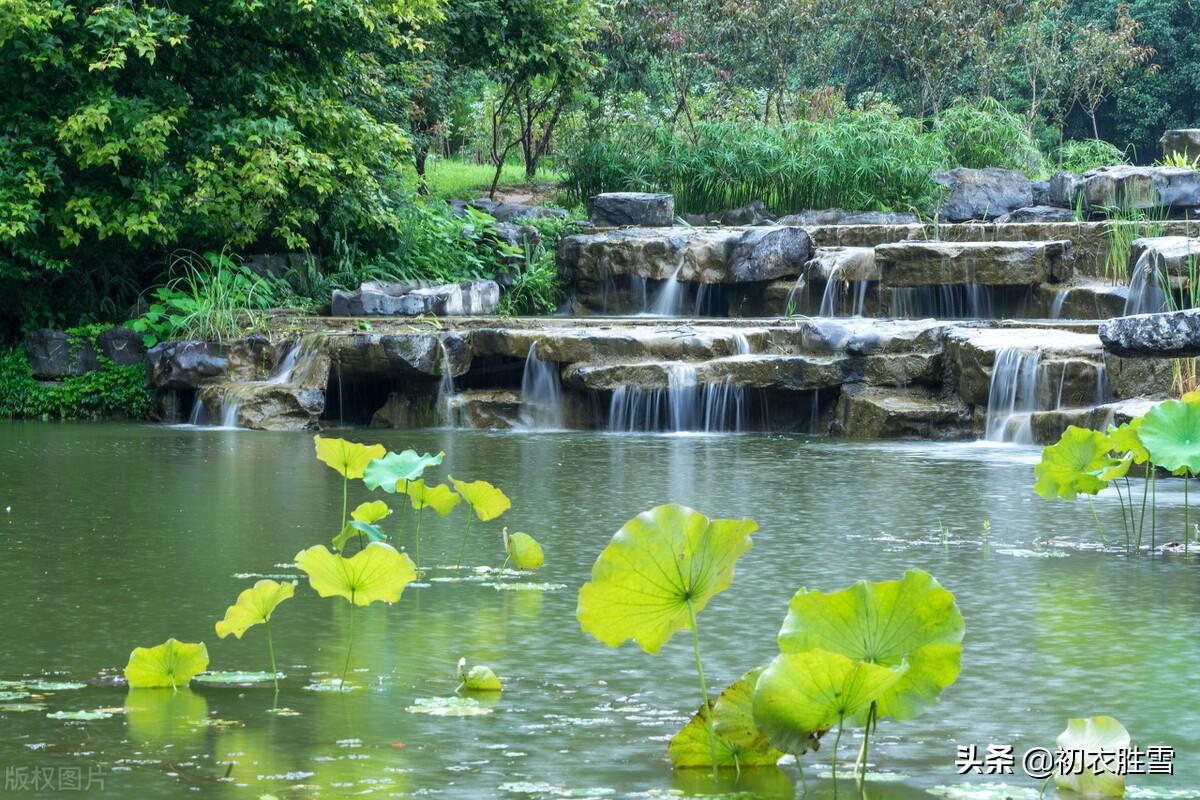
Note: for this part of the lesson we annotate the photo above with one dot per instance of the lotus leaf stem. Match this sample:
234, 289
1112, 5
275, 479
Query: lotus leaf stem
1124, 519
1096, 517
1185, 513
1142, 520
705, 709
463, 548
349, 646
345, 489
860, 764
418, 553
271, 650
837, 741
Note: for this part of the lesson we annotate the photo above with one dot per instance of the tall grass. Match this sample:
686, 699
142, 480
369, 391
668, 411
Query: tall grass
1125, 224
452, 179
987, 135
1088, 154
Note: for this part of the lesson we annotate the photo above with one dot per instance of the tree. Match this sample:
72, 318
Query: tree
1102, 59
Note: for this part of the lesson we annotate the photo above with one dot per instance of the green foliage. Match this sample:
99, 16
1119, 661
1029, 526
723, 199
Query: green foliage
1073, 465
987, 135
860, 160
110, 391
456, 179
738, 742
168, 665
1079, 156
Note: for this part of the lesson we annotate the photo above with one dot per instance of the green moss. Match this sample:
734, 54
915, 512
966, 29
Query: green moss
111, 391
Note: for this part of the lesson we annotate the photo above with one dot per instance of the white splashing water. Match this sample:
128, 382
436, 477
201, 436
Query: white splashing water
1060, 298
670, 297
1146, 295
541, 394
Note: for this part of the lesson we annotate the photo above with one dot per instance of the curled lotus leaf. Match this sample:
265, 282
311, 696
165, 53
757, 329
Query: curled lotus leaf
377, 572
1091, 737
171, 664
1117, 468
800, 696
354, 529
737, 741
485, 500
254, 606
914, 621
387, 472
1171, 434
1073, 465
371, 512
524, 550
440, 497
1125, 440
348, 459
478, 678
657, 564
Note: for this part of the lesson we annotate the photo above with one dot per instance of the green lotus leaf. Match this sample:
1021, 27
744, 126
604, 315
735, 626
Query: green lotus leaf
440, 497
1125, 439
913, 621
1117, 468
485, 500
738, 742
524, 550
170, 664
1171, 434
394, 468
1093, 735
354, 529
802, 695
478, 678
1072, 466
253, 607
377, 572
655, 564
371, 512
348, 459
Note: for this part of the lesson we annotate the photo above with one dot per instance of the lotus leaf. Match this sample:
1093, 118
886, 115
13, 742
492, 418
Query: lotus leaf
478, 678
348, 459
1125, 439
394, 468
485, 500
1092, 736
79, 716
802, 695
449, 707
356, 529
254, 606
660, 567
1072, 466
1171, 434
377, 572
738, 742
1117, 468
238, 678
524, 550
913, 621
172, 663
440, 497
371, 512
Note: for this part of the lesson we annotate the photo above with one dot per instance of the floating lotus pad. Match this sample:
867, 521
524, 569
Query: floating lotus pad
449, 707
388, 471
237, 678
171, 664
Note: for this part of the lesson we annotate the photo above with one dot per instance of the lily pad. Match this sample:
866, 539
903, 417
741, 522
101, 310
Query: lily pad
1072, 466
737, 741
19, 708
79, 716
527, 587
55, 686
524, 550
254, 606
170, 664
802, 695
387, 471
1091, 736
236, 678
485, 500
1171, 434
478, 678
348, 459
377, 572
449, 707
440, 497
656, 563
371, 512
8, 695
913, 621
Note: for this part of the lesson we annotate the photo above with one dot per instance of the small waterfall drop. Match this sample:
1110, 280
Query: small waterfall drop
1013, 395
1060, 298
295, 367
684, 405
541, 393
1146, 295
197, 416
447, 402
671, 295
838, 290
741, 344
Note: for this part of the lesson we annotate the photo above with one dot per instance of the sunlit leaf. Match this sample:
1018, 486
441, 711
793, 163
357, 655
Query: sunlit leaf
655, 564
170, 664
802, 695
1092, 736
1117, 468
1125, 439
398, 468
913, 621
738, 742
1171, 434
355, 529
254, 606
1072, 466
524, 550
440, 497
371, 512
377, 572
485, 500
478, 678
348, 459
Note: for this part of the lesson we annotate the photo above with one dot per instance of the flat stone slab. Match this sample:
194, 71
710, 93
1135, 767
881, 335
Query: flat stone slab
757, 371
1173, 188
879, 413
1174, 334
941, 263
688, 255
839, 216
638, 209
1071, 361
469, 298
1178, 256
842, 263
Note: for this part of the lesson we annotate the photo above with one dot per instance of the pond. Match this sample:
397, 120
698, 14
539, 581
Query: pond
116, 536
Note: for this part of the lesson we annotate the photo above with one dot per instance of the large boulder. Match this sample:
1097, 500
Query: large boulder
1177, 256
185, 365
1170, 188
1174, 334
636, 209
939, 263
1037, 214
469, 298
983, 193
264, 406
839, 216
1183, 142
122, 346
509, 212
53, 355
1062, 190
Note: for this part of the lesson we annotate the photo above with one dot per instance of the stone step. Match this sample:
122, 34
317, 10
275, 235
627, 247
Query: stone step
939, 263
877, 413
788, 372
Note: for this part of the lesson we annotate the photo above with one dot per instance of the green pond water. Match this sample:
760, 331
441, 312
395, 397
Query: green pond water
116, 536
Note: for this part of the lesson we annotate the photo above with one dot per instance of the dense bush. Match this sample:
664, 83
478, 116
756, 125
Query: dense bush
111, 391
1081, 156
857, 159
987, 135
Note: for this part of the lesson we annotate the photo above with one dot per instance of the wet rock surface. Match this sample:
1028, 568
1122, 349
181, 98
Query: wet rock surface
53, 355
636, 209
980, 263
405, 299
983, 193
1174, 334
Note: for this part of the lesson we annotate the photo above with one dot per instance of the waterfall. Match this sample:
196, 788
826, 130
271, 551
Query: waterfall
669, 299
741, 345
684, 405
951, 301
1060, 297
724, 406
197, 415
1146, 294
295, 367
447, 404
794, 301
1012, 395
836, 288
541, 393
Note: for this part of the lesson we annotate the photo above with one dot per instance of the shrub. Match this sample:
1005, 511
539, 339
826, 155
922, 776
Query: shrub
111, 391
1081, 156
987, 135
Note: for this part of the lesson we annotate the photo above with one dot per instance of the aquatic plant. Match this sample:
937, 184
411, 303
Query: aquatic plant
1091, 737
1073, 466
363, 525
735, 736
378, 572
523, 550
393, 471
172, 663
867, 652
348, 459
1171, 436
478, 678
440, 497
656, 575
254, 606
486, 502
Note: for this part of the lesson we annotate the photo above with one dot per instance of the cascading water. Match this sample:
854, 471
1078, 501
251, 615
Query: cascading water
197, 415
837, 290
1012, 395
1060, 298
685, 405
541, 393
952, 301
671, 295
296, 366
447, 404
1146, 295
741, 344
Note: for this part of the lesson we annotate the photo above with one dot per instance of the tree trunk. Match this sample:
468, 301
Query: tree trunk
420, 154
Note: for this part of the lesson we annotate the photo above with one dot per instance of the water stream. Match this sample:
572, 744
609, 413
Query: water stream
541, 394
